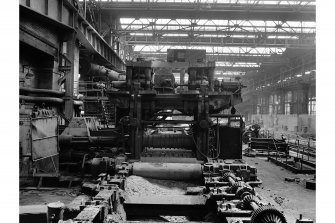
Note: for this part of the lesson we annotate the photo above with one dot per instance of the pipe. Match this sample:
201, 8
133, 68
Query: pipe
119, 84
55, 93
168, 171
91, 69
87, 140
41, 99
78, 103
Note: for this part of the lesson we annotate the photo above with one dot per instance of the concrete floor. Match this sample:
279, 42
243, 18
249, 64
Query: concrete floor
291, 197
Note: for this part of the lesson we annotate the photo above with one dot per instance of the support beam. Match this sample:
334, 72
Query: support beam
69, 81
218, 30
234, 10
230, 42
96, 45
229, 57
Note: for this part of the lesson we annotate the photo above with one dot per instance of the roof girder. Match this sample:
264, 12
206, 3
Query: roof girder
210, 11
221, 41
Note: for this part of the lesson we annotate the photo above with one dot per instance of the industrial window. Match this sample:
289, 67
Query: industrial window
287, 108
312, 106
288, 96
271, 99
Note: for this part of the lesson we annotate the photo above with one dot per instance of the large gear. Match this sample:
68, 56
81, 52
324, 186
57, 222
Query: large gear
244, 191
236, 185
227, 175
248, 199
267, 214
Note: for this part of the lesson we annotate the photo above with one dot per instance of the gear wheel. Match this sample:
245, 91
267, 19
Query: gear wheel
228, 174
248, 199
267, 214
247, 135
236, 185
243, 191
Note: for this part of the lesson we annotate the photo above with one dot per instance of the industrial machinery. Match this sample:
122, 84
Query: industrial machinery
233, 198
171, 130
149, 103
251, 131
194, 106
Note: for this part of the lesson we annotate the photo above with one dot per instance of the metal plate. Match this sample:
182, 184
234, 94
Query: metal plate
45, 145
44, 137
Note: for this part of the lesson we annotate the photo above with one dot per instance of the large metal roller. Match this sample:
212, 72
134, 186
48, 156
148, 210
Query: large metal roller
168, 171
91, 69
168, 141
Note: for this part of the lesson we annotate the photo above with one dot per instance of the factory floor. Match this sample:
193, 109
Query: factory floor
291, 197
45, 196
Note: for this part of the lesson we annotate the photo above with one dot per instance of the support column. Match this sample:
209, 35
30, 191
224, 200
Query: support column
139, 129
211, 79
192, 78
113, 39
69, 81
182, 78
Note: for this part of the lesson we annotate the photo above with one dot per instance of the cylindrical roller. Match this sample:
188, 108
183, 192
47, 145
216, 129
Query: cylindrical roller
50, 100
168, 171
168, 141
91, 69
87, 140
119, 84
25, 90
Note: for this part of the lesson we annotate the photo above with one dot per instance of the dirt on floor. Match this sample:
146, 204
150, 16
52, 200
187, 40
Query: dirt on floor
291, 197
43, 197
136, 186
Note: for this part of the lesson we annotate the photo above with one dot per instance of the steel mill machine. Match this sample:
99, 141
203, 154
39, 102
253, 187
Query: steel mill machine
173, 121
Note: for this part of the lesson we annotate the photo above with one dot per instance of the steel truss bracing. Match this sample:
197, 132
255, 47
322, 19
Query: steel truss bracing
282, 29
218, 32
302, 70
232, 57
221, 41
227, 33
214, 9
246, 26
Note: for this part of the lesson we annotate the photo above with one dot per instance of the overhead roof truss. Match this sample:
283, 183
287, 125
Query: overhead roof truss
249, 31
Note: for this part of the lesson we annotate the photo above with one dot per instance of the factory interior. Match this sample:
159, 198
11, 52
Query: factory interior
169, 111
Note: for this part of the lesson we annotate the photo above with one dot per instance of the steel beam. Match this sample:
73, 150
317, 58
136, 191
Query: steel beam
234, 10
213, 41
287, 34
229, 57
96, 45
235, 68
286, 29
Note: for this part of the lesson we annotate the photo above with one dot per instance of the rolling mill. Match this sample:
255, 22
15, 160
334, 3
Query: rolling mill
167, 111
167, 131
